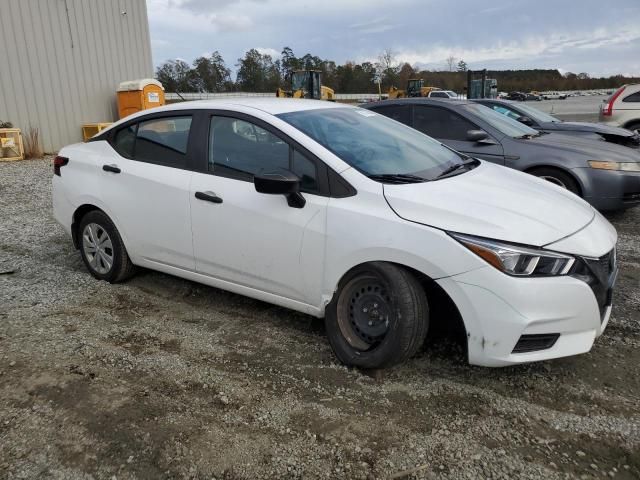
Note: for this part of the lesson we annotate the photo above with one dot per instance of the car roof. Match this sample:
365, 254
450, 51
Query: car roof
271, 105
496, 100
417, 101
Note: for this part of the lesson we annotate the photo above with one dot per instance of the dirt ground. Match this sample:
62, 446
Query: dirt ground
163, 378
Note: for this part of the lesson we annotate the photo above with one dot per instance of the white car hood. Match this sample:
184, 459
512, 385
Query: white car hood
494, 202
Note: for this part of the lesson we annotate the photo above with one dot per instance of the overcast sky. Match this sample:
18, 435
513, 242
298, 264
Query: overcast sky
601, 37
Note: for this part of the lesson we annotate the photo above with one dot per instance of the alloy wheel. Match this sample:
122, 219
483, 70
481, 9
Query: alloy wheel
97, 247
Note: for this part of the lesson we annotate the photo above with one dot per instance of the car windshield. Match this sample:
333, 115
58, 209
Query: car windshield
374, 144
500, 122
537, 115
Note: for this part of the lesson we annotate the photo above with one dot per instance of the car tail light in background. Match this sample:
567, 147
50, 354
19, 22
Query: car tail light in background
58, 163
607, 108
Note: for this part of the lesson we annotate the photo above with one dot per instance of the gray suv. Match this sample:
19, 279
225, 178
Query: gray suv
605, 174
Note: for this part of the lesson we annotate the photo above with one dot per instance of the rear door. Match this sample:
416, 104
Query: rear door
451, 129
146, 186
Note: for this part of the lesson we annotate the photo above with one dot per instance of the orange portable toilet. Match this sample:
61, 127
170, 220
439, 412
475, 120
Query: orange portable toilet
137, 95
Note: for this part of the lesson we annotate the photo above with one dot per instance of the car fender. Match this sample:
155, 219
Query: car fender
86, 199
572, 172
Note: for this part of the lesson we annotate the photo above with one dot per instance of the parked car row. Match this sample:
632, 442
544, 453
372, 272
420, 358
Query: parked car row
544, 122
340, 212
607, 175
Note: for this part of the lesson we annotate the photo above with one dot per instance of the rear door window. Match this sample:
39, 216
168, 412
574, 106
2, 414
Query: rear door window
125, 140
634, 97
163, 140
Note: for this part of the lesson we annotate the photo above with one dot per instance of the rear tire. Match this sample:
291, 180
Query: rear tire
102, 249
379, 316
557, 177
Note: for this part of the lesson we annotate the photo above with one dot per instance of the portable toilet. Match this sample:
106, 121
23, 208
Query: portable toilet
137, 95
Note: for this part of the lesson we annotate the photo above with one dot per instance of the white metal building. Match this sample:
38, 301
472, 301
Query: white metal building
62, 60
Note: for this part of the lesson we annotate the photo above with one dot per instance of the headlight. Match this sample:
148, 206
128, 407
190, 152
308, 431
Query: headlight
624, 166
516, 260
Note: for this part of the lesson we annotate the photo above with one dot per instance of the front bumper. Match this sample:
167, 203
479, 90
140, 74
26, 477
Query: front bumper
609, 189
498, 310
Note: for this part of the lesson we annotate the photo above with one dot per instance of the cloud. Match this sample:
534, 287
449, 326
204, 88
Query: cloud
269, 51
377, 25
523, 50
591, 37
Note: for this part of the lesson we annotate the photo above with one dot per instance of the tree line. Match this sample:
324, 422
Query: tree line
260, 72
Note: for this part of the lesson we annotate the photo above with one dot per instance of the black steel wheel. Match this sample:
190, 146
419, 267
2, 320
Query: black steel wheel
379, 316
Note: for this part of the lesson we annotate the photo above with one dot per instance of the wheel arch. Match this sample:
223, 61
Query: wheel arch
81, 211
566, 171
443, 312
632, 123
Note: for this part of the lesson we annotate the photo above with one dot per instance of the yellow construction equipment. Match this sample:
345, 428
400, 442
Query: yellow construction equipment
415, 88
306, 84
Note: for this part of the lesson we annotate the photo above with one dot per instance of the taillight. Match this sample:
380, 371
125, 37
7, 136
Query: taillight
58, 163
607, 109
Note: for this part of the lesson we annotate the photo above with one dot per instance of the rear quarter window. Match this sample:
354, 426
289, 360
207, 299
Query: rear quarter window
633, 98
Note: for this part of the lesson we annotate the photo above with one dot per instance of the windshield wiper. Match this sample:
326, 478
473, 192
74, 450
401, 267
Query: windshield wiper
454, 168
397, 178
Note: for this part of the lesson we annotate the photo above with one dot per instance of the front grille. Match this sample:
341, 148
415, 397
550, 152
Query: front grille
534, 342
599, 274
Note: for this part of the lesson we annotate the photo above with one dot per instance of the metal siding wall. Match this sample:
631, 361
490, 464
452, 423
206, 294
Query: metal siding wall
60, 72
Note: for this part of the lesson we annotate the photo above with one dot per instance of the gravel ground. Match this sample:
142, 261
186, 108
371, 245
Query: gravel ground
164, 378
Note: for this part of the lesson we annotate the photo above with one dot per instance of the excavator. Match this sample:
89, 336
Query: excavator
306, 84
415, 88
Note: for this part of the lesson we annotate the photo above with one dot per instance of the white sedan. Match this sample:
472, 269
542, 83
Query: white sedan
342, 213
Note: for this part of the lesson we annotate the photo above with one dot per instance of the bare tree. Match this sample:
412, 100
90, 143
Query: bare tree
387, 59
388, 67
451, 62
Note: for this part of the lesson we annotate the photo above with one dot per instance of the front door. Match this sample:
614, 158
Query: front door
249, 238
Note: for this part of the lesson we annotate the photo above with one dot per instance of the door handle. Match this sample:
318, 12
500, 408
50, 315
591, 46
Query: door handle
208, 197
111, 168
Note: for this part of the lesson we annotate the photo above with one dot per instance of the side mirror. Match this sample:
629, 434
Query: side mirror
477, 135
526, 120
280, 182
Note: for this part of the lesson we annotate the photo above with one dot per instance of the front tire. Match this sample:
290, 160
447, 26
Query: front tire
102, 249
557, 177
379, 316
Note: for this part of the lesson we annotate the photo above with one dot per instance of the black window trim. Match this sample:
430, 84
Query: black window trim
322, 168
197, 156
109, 135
